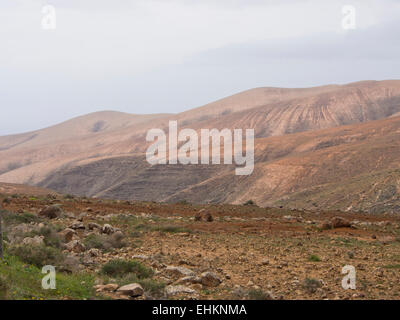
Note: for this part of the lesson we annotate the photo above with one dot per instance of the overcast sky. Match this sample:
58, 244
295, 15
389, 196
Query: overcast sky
152, 56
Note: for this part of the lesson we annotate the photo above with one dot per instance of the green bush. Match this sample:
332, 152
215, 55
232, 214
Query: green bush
26, 217
249, 203
51, 238
314, 258
95, 241
119, 268
104, 242
37, 255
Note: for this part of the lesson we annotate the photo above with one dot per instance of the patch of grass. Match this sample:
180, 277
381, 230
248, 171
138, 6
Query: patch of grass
13, 219
38, 256
168, 228
104, 242
3, 289
24, 282
346, 242
119, 268
392, 266
249, 203
50, 235
314, 258
171, 229
183, 202
150, 286
258, 294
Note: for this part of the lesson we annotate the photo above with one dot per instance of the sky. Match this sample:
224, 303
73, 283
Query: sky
168, 56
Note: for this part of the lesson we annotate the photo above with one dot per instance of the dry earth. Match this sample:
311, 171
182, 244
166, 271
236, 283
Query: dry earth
248, 248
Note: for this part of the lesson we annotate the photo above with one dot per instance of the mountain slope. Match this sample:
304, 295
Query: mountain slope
301, 135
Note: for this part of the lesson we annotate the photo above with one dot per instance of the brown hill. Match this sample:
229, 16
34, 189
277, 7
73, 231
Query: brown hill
102, 154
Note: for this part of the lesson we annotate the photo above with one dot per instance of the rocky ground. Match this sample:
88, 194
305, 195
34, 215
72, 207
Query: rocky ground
144, 250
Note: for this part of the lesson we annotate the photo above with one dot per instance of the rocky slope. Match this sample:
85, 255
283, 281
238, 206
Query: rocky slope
317, 147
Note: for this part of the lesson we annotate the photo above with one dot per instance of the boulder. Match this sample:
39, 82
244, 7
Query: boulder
326, 225
35, 241
210, 279
178, 272
107, 229
67, 235
198, 216
93, 225
106, 287
190, 279
75, 246
133, 290
208, 217
77, 226
338, 222
51, 212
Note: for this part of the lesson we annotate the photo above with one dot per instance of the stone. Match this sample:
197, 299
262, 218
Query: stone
107, 229
94, 252
208, 217
75, 246
179, 272
77, 226
197, 216
141, 257
265, 262
189, 279
93, 225
67, 235
107, 287
210, 279
338, 222
35, 241
51, 212
179, 289
132, 290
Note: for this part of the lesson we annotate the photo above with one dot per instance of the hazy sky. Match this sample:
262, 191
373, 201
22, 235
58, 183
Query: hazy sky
151, 56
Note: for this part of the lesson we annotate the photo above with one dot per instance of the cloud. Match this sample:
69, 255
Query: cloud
118, 54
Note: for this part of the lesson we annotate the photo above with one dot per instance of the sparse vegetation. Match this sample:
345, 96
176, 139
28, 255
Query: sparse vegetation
311, 285
26, 217
150, 286
314, 258
104, 242
237, 233
119, 268
50, 235
258, 294
392, 266
21, 281
249, 203
171, 229
3, 288
38, 256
